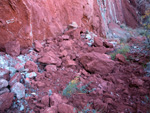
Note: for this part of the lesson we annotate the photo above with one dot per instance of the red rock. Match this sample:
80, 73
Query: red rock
38, 46
52, 109
50, 68
31, 66
13, 48
6, 100
68, 44
70, 62
65, 37
137, 82
18, 89
107, 44
97, 63
45, 100
55, 99
120, 58
50, 58
65, 108
98, 42
16, 78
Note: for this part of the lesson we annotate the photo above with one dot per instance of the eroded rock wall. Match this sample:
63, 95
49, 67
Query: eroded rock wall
29, 20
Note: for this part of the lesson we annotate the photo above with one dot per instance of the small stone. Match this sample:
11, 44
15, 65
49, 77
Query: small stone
13, 48
6, 101
18, 89
16, 78
3, 83
4, 90
31, 75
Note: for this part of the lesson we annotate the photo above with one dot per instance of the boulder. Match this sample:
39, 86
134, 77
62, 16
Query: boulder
13, 48
50, 58
6, 100
45, 100
98, 42
97, 63
38, 46
50, 68
18, 89
3, 83
55, 99
31, 66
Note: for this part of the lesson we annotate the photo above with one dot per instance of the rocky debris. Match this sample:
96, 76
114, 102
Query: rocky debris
13, 48
107, 44
120, 58
31, 66
16, 78
6, 101
97, 63
50, 58
19, 90
3, 83
65, 108
50, 68
4, 90
38, 46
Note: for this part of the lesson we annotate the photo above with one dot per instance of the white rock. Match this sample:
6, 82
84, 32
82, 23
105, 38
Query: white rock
19, 90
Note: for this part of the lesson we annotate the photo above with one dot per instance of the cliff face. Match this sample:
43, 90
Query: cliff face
28, 20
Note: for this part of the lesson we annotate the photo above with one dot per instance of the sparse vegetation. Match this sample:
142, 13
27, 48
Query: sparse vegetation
72, 88
123, 50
